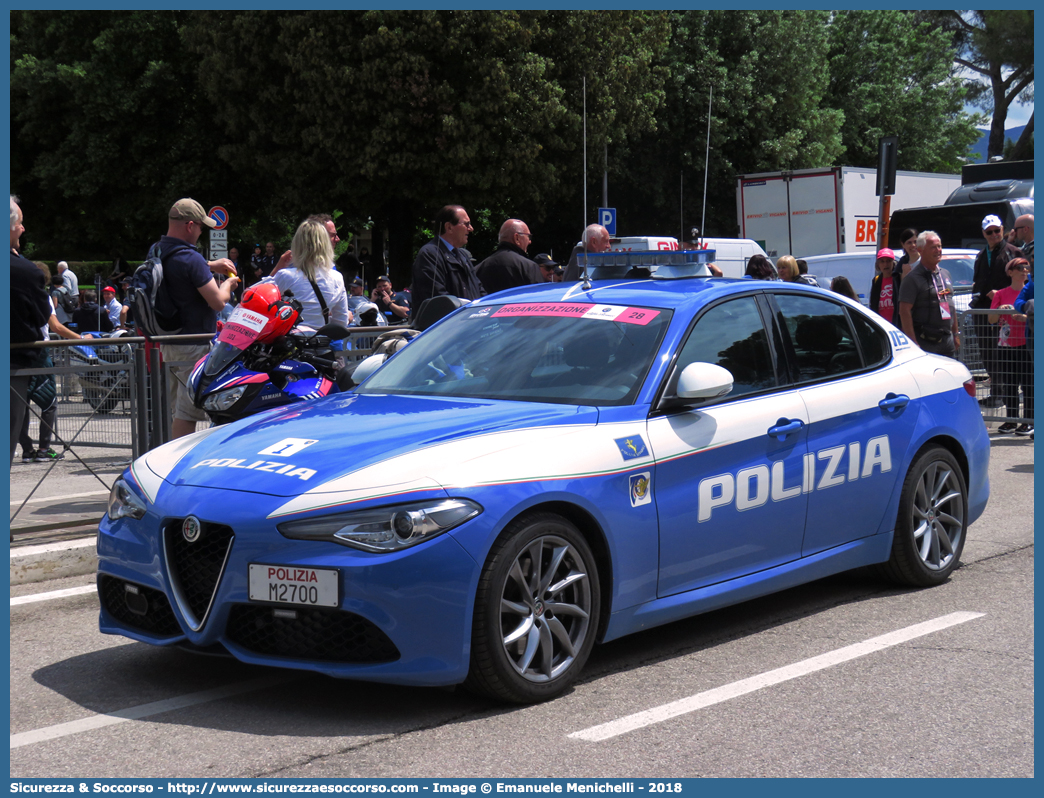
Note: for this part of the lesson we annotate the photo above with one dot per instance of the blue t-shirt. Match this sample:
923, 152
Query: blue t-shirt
185, 271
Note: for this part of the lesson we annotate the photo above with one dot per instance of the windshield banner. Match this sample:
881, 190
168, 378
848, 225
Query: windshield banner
581, 310
242, 328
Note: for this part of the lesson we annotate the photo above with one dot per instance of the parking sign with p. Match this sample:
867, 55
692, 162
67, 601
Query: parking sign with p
607, 218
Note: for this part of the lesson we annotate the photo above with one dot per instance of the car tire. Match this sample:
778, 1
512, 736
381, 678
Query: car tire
536, 611
932, 523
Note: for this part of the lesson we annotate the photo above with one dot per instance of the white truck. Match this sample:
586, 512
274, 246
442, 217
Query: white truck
820, 211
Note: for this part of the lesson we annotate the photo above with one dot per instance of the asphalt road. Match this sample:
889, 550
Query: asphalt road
783, 686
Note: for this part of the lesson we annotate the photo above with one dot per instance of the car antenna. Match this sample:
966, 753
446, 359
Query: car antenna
706, 167
586, 284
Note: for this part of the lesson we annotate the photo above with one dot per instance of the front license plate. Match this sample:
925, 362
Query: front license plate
289, 584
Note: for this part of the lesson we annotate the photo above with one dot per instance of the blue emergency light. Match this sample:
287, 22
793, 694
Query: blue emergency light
658, 264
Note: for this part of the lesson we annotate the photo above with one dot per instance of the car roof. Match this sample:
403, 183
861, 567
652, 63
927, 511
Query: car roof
871, 255
682, 293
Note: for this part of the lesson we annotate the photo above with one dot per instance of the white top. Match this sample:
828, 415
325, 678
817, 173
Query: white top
113, 308
330, 282
359, 305
72, 282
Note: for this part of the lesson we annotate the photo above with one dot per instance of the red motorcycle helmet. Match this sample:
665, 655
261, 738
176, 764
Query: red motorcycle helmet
264, 298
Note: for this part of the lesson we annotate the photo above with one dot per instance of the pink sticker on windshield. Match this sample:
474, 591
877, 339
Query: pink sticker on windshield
581, 310
242, 328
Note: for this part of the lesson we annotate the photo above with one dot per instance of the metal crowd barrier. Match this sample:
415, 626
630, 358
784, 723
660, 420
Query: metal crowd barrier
1003, 374
117, 398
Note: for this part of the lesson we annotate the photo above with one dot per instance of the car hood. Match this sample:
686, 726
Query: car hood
314, 447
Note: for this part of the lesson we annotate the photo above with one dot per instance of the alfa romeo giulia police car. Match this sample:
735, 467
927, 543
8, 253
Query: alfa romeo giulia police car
550, 467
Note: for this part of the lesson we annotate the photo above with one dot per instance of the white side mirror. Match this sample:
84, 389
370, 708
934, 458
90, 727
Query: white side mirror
703, 381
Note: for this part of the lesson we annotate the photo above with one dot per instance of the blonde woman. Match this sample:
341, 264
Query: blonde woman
311, 275
790, 272
787, 269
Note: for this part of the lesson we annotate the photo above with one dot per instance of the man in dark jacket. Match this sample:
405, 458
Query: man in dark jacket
90, 316
443, 266
990, 275
30, 310
509, 266
595, 239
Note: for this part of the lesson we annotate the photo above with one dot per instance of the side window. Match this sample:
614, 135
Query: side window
731, 335
872, 340
821, 336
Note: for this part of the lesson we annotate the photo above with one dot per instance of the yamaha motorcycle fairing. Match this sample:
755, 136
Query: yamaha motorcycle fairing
244, 374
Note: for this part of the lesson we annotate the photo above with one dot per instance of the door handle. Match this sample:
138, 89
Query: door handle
785, 427
894, 402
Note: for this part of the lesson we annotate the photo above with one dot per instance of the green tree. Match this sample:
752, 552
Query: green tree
768, 70
395, 113
997, 47
107, 129
893, 75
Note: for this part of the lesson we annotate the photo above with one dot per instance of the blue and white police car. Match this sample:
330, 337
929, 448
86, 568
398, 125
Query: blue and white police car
548, 468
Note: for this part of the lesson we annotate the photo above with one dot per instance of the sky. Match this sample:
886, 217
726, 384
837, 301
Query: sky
1018, 115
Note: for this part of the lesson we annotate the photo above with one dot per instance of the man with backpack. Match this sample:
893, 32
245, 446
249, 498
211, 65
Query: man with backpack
188, 280
63, 303
69, 279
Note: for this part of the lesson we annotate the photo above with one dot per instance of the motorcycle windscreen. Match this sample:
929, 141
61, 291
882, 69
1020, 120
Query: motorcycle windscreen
242, 329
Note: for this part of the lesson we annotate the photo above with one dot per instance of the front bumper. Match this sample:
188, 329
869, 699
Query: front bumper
403, 618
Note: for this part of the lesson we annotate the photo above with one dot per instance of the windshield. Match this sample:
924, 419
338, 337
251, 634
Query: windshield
566, 353
240, 330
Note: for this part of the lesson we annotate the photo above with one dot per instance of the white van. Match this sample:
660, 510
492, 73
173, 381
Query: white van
731, 254
858, 267
643, 244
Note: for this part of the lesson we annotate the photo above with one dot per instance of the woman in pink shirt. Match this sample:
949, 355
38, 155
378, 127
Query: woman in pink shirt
1016, 362
884, 290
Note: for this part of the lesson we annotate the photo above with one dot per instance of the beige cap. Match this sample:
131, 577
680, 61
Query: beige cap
188, 210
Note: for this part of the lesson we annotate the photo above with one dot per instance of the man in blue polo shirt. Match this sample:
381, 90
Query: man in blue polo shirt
190, 281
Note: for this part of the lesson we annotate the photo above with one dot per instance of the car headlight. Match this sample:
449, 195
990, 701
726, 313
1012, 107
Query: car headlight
124, 502
225, 399
385, 529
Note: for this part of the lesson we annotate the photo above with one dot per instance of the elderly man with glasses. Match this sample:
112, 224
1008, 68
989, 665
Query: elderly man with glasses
510, 266
990, 276
926, 301
443, 266
1023, 231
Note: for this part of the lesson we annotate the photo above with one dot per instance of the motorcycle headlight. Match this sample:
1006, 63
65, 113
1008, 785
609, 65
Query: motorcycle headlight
225, 399
124, 502
385, 529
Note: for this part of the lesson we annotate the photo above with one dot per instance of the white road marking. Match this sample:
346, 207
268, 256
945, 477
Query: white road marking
143, 711
708, 698
62, 497
54, 594
50, 548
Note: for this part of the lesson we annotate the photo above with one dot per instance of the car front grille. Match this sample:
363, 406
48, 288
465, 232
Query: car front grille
309, 633
195, 568
138, 607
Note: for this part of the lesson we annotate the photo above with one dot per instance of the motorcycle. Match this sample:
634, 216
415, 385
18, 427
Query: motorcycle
103, 389
262, 359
